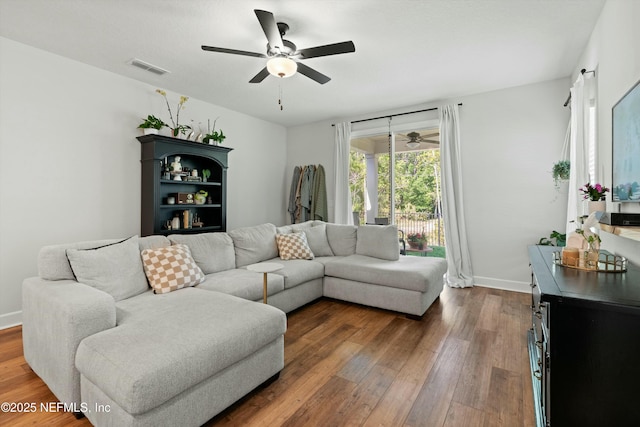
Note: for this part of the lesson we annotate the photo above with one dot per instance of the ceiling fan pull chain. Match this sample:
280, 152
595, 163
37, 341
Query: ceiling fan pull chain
280, 97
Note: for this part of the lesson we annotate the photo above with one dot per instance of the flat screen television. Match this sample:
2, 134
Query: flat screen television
626, 147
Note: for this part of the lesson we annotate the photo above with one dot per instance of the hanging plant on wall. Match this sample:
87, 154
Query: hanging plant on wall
560, 172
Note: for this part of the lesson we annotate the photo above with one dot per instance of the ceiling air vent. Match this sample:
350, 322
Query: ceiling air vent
148, 67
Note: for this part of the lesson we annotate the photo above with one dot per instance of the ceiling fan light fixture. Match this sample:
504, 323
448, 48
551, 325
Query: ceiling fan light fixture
413, 145
281, 66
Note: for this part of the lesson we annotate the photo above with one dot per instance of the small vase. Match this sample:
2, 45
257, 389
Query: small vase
591, 258
597, 206
592, 255
149, 131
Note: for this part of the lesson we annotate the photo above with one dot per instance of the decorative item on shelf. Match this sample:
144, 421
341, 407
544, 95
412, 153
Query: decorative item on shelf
201, 197
185, 198
177, 128
206, 173
176, 165
171, 200
596, 194
197, 222
213, 137
593, 249
560, 172
186, 219
151, 125
175, 222
417, 240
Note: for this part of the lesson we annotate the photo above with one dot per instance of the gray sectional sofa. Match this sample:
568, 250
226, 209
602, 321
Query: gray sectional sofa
125, 356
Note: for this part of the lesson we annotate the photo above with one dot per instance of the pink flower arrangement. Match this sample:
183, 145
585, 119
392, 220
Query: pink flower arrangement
594, 192
416, 237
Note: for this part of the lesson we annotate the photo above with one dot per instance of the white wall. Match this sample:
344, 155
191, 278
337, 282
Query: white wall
510, 140
70, 163
614, 52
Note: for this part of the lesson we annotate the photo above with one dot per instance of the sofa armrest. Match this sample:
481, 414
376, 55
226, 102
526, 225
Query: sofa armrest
57, 315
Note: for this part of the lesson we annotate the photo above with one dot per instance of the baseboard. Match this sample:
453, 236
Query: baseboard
10, 320
507, 285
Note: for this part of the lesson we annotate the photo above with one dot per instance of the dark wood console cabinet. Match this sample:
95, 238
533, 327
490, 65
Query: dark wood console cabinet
584, 344
155, 209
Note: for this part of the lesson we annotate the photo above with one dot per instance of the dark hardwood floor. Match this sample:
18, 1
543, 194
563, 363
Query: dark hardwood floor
464, 364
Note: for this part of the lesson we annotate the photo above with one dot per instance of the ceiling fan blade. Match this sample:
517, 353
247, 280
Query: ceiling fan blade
326, 50
260, 76
233, 51
270, 28
312, 74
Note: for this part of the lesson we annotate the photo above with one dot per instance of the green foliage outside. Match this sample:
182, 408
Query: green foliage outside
415, 181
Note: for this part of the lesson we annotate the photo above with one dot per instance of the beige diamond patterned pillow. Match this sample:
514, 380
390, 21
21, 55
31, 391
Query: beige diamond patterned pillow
293, 246
171, 268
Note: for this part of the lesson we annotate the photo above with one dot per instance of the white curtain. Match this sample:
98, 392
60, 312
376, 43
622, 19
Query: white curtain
459, 273
581, 97
342, 207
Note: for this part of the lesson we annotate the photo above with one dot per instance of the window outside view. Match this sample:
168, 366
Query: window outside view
417, 190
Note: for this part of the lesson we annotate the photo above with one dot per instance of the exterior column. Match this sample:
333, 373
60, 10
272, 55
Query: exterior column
371, 190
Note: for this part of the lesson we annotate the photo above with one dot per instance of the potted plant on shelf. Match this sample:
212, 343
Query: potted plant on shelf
151, 125
201, 197
206, 173
213, 137
596, 194
177, 128
560, 172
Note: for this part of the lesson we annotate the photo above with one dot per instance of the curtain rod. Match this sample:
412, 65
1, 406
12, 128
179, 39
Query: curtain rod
395, 115
583, 71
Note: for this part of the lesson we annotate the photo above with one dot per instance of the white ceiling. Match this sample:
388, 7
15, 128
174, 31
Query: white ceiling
408, 52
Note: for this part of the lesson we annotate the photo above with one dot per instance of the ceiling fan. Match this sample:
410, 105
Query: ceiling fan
283, 55
415, 139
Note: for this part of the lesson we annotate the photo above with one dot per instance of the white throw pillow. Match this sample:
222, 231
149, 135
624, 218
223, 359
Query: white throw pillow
254, 244
212, 252
115, 269
378, 241
342, 239
317, 239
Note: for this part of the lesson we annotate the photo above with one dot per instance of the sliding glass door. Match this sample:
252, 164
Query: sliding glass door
395, 178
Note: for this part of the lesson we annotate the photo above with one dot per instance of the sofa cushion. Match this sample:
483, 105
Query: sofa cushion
378, 241
408, 272
298, 271
317, 239
242, 283
53, 263
342, 238
166, 344
304, 226
293, 246
115, 268
171, 268
254, 244
212, 252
